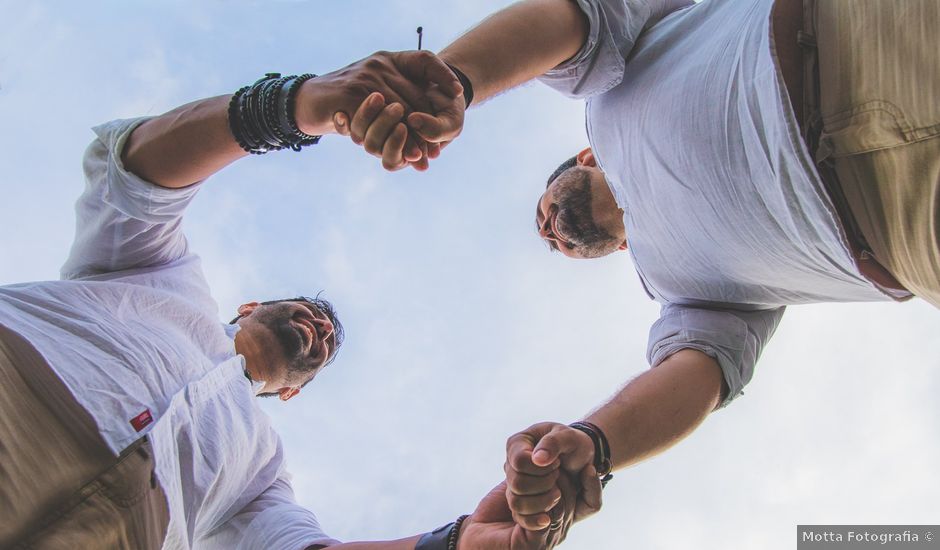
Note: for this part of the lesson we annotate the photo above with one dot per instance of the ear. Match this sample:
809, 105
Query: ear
246, 309
586, 158
287, 393
623, 246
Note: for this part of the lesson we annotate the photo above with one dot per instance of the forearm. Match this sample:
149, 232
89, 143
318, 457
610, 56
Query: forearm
401, 544
518, 44
183, 146
661, 407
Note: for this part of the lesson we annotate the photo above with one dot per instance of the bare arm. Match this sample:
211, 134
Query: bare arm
517, 44
650, 414
192, 142
660, 407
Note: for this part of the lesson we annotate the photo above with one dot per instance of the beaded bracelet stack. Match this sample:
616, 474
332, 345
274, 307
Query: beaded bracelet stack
261, 116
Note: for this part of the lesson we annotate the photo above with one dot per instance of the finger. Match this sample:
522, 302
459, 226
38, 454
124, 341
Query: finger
412, 148
520, 461
392, 158
526, 484
534, 522
341, 123
591, 498
444, 126
420, 165
533, 504
365, 114
434, 150
381, 127
424, 66
573, 447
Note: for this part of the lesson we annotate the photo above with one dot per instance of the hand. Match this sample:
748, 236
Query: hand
379, 125
420, 82
536, 459
491, 525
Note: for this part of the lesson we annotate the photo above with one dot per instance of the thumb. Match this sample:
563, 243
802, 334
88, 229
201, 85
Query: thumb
444, 126
573, 447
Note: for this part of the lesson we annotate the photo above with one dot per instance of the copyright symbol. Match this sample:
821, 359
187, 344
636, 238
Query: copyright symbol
929, 536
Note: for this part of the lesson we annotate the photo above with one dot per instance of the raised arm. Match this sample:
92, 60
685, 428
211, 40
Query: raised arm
192, 142
517, 44
650, 414
702, 359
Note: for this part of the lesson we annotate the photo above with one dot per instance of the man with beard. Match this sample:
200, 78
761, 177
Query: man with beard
750, 155
128, 418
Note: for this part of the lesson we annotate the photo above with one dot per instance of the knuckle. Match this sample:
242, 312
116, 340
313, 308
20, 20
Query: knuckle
520, 461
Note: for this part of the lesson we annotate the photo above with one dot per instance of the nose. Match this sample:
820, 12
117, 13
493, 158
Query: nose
324, 327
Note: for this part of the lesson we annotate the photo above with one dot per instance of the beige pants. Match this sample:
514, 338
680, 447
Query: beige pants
879, 111
60, 486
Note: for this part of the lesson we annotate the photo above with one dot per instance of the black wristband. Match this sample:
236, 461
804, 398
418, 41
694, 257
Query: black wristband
465, 82
602, 461
436, 539
442, 538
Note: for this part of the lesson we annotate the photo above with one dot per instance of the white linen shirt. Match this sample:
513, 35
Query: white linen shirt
133, 331
726, 219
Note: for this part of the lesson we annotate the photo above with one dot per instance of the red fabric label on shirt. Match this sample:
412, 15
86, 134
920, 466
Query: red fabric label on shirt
141, 421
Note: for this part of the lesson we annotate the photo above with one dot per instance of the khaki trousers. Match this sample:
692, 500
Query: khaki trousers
60, 485
878, 119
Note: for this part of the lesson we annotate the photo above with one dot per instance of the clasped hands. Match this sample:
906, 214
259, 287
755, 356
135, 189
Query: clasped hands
402, 107
551, 483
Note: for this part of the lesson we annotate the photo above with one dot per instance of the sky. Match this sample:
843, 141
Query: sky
462, 328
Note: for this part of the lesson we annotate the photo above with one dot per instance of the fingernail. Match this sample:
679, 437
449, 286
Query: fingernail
541, 454
544, 522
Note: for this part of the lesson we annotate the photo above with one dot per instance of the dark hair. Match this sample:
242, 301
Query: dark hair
562, 168
574, 219
324, 307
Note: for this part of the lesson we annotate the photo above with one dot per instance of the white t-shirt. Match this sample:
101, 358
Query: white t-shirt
727, 221
135, 335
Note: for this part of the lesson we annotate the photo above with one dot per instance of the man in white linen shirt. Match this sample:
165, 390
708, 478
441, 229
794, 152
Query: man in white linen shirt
741, 173
128, 418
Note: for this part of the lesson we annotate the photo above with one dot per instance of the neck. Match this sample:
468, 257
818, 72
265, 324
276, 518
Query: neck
248, 347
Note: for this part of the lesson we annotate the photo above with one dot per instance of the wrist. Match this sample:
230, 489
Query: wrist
311, 110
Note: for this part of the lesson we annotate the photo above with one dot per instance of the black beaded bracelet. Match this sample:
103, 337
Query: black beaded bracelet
442, 538
602, 461
261, 116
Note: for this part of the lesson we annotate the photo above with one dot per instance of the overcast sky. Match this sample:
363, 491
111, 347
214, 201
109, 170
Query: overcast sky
461, 327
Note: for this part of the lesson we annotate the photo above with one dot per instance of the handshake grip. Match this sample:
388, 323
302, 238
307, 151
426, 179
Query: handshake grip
402, 107
540, 456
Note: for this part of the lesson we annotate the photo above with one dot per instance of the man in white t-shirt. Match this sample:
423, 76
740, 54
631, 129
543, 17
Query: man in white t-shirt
748, 154
128, 412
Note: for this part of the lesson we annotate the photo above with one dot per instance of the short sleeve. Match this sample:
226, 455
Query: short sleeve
614, 26
734, 338
272, 520
122, 221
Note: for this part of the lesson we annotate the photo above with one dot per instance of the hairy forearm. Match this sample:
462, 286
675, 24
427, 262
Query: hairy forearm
518, 44
183, 146
661, 407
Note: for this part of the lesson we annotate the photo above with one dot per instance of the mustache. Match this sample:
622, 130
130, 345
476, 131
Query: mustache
288, 337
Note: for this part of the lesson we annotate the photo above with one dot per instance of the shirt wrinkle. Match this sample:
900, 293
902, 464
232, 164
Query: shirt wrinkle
726, 218
132, 327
